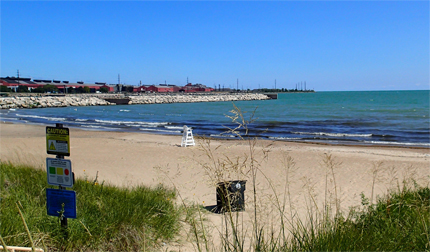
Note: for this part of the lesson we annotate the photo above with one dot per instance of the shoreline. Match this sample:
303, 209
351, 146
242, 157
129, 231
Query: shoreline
11, 130
129, 159
339, 143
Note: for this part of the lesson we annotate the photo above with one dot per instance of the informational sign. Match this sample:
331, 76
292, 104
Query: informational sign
58, 141
59, 172
61, 200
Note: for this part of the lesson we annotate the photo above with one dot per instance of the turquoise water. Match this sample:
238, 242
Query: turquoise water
360, 117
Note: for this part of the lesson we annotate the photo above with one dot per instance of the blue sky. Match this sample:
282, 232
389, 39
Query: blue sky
332, 45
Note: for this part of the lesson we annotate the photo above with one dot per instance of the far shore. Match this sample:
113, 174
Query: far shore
130, 159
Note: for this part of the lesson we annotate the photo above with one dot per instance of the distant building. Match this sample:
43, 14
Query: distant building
67, 87
64, 87
160, 89
190, 88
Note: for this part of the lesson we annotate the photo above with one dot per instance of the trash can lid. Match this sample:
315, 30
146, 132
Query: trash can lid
232, 182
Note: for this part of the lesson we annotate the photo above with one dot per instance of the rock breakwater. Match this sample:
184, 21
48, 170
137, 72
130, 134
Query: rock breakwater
21, 101
188, 98
50, 101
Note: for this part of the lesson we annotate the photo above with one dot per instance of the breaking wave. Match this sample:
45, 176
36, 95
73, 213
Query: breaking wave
43, 117
148, 124
332, 134
160, 130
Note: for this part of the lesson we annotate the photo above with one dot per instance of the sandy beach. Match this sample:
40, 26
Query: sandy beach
128, 159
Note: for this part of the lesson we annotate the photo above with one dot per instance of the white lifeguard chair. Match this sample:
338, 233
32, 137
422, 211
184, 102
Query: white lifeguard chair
187, 137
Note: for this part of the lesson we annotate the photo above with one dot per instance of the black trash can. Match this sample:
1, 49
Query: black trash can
230, 196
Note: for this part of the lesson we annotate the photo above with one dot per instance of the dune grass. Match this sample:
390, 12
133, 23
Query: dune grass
109, 218
399, 221
140, 219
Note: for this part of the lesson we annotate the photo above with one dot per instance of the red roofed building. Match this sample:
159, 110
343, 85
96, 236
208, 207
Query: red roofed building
190, 88
160, 89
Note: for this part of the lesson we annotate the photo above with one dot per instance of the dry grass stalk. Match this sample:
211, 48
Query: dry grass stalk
331, 165
377, 167
25, 226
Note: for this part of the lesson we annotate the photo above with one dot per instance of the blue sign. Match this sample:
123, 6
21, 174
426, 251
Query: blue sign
55, 199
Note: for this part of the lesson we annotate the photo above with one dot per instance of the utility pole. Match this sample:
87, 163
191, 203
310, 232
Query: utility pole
17, 74
119, 84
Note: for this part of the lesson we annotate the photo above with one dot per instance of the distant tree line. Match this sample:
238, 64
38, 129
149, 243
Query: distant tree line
125, 89
51, 89
5, 89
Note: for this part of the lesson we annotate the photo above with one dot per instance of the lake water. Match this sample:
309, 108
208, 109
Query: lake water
359, 117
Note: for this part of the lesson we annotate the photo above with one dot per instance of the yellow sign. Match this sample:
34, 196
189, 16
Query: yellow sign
58, 141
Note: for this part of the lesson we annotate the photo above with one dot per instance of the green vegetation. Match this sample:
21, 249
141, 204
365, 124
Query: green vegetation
109, 218
45, 89
398, 222
5, 89
79, 90
22, 89
104, 89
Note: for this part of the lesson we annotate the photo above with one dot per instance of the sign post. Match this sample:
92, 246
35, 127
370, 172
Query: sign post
60, 202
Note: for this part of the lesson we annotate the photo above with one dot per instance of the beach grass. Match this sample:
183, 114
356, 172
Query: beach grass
141, 219
398, 221
109, 218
